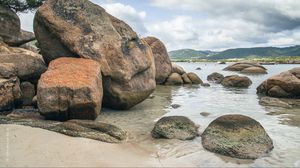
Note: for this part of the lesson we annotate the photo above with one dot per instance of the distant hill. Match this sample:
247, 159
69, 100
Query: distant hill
236, 53
188, 54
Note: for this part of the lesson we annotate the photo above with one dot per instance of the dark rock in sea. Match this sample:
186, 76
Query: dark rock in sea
175, 127
205, 84
88, 31
198, 68
247, 67
237, 136
204, 114
175, 106
71, 88
162, 60
215, 77
236, 81
174, 79
75, 128
222, 62
283, 85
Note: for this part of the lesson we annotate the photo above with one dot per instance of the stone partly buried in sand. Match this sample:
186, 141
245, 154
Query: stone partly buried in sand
163, 64
285, 85
175, 127
237, 136
236, 81
71, 88
247, 67
75, 128
80, 28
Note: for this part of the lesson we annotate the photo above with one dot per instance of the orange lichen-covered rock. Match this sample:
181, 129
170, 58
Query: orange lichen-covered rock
71, 88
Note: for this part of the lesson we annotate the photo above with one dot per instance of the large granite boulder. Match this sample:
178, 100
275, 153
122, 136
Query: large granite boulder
163, 64
79, 28
10, 31
71, 88
215, 77
10, 93
285, 84
247, 67
236, 81
237, 136
29, 65
175, 127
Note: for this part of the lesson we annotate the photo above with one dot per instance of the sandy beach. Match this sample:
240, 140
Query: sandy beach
23, 146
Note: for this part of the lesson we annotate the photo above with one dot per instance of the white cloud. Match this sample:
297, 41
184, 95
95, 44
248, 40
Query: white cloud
129, 14
230, 24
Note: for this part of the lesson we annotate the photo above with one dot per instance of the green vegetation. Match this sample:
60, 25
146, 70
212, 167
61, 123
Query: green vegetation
21, 5
188, 53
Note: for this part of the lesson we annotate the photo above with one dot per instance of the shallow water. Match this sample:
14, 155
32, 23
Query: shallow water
282, 125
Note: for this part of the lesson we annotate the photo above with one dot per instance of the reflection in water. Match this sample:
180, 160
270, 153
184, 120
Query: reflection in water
283, 125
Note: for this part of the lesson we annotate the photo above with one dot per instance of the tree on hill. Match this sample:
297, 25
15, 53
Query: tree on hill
21, 5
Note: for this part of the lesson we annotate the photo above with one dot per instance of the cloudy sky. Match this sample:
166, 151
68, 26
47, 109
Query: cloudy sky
208, 24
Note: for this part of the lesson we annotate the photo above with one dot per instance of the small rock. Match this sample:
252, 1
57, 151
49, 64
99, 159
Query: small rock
236, 81
205, 114
174, 79
177, 69
194, 78
237, 136
198, 68
186, 79
215, 77
205, 84
175, 106
10, 93
175, 127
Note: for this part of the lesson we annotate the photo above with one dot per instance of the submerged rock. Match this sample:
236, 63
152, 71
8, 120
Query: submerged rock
80, 28
76, 128
285, 85
215, 77
279, 102
71, 88
205, 84
247, 67
175, 127
163, 64
236, 81
237, 136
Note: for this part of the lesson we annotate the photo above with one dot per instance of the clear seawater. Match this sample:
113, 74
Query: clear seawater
282, 125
